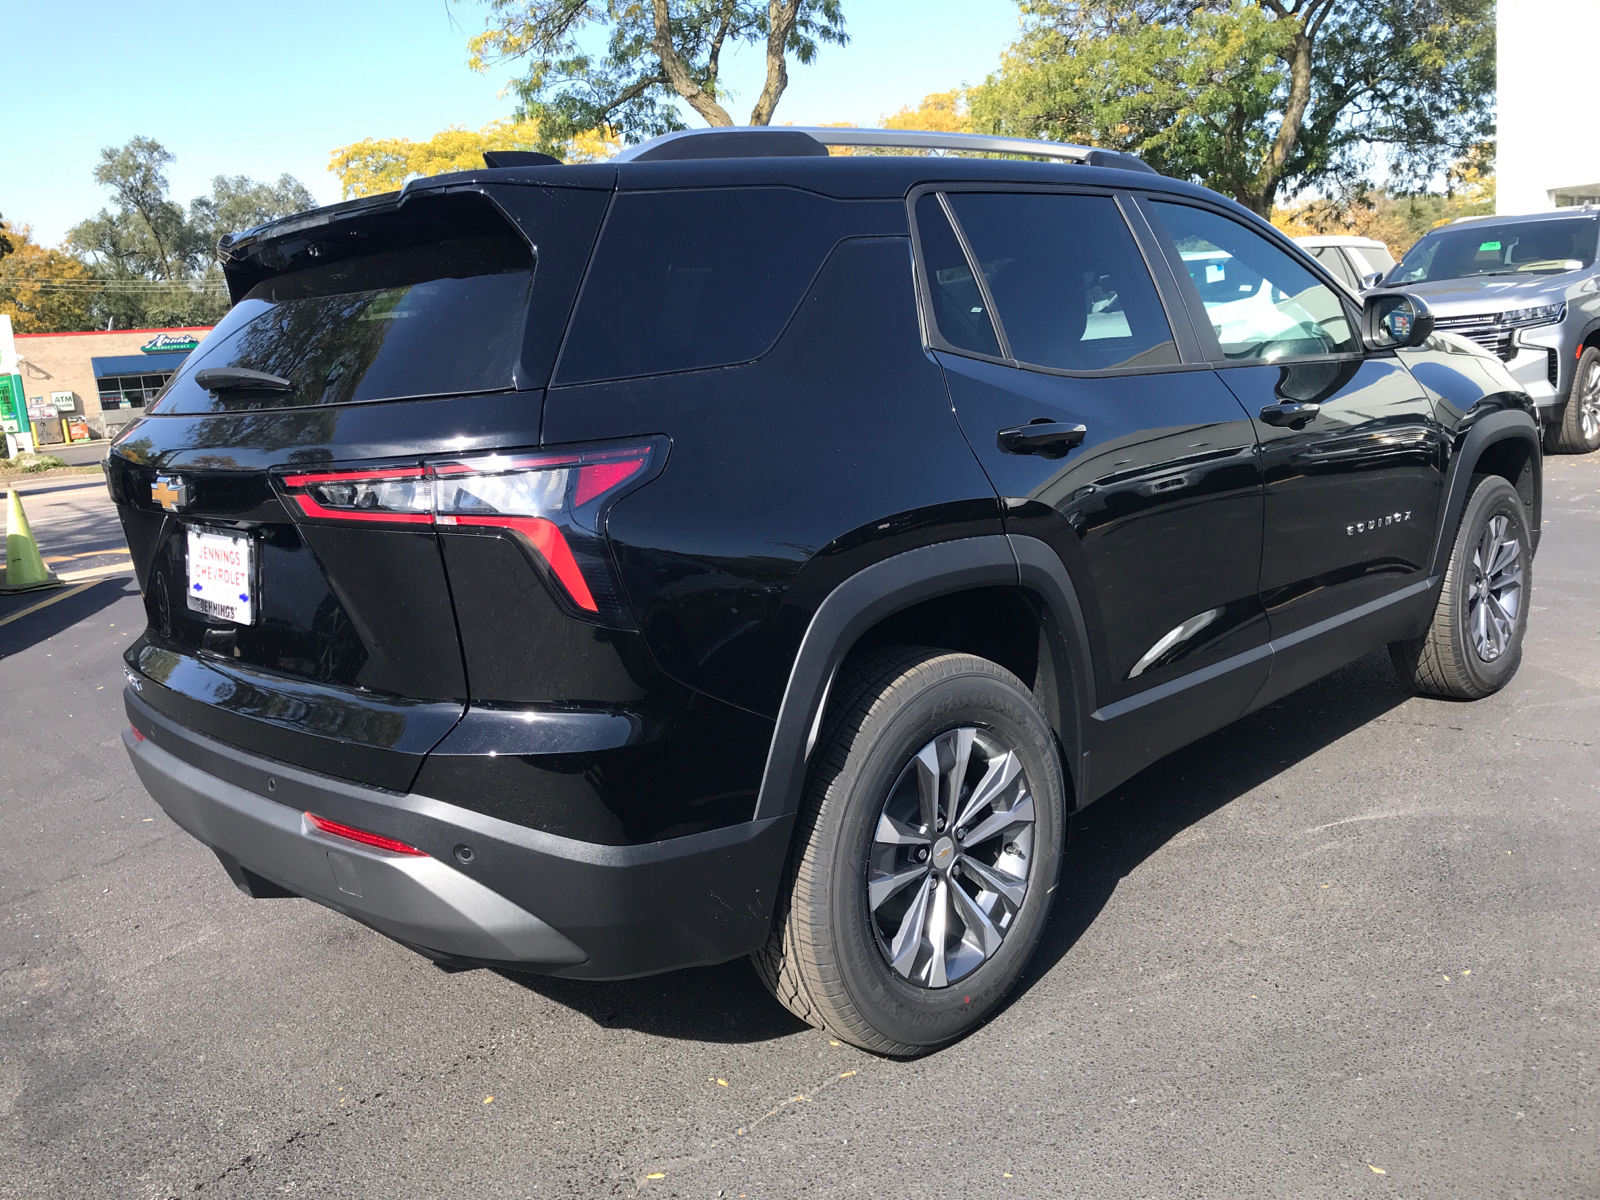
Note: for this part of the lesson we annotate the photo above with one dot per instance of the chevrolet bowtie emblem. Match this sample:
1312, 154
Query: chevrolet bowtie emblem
170, 491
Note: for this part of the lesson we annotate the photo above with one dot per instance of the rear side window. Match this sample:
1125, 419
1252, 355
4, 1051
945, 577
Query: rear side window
437, 319
958, 305
690, 279
1069, 285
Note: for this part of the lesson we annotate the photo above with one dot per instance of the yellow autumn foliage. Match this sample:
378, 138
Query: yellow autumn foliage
376, 165
940, 112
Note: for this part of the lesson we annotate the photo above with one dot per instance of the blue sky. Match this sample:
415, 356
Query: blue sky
259, 89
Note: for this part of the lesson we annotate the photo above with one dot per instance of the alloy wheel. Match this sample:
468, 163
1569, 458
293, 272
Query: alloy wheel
951, 857
1589, 403
1494, 598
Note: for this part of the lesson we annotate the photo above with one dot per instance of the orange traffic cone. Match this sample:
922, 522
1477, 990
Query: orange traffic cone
25, 569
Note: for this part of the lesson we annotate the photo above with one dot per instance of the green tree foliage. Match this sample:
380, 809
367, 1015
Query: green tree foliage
152, 264
1254, 98
656, 52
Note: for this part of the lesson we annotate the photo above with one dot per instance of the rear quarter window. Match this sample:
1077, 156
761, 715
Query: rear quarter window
685, 280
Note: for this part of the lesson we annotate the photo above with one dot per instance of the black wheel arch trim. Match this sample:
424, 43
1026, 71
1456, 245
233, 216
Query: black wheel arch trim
1487, 431
898, 582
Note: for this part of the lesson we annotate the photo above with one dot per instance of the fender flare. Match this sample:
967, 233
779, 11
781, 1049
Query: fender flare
878, 591
1491, 429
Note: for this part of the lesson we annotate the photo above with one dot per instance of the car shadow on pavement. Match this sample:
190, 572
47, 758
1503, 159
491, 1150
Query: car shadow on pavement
45, 620
1126, 826
722, 1004
727, 1003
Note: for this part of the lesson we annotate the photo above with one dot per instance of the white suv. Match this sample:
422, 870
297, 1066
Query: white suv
1356, 262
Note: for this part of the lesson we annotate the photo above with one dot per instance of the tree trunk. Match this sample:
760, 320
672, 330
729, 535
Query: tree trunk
1265, 192
699, 99
780, 20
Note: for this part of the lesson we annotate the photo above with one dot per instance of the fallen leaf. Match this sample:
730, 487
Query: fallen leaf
488, 1099
846, 1074
1325, 887
1376, 1170
722, 1083
656, 1175
831, 1042
1006, 1174
149, 818
1468, 971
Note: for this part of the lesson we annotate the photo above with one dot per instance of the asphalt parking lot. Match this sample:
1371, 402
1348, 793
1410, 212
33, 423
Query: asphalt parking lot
1349, 946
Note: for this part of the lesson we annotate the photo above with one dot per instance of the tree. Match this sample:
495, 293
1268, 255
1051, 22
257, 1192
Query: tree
376, 165
238, 202
940, 112
155, 264
656, 53
1252, 97
44, 290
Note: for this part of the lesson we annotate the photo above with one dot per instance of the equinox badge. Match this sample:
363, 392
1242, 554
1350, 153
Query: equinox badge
170, 491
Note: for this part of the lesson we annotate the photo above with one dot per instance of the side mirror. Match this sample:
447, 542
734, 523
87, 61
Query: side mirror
1395, 320
1372, 280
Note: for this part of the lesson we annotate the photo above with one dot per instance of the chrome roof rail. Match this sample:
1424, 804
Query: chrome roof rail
764, 141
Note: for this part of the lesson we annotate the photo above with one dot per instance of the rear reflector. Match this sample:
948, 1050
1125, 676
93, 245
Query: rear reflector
552, 503
376, 840
137, 736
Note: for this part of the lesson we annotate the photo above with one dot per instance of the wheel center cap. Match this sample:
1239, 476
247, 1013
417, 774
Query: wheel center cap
944, 853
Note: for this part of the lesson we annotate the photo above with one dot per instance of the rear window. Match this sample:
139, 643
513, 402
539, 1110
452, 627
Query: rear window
700, 278
438, 319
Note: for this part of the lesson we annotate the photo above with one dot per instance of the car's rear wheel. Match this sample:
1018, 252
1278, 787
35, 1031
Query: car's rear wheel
1474, 644
926, 853
1578, 431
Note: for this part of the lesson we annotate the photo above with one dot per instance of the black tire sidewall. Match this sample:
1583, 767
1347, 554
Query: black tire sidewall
897, 1008
1492, 497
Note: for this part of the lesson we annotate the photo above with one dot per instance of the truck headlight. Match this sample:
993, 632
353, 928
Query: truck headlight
1544, 314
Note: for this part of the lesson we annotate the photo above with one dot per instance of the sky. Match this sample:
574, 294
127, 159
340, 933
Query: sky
259, 89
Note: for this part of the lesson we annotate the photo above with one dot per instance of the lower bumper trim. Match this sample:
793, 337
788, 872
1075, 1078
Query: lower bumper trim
414, 899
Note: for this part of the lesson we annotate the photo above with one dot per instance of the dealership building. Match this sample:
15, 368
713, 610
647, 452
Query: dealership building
89, 385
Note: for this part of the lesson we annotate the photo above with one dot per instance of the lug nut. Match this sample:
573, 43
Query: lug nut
922, 855
939, 825
961, 834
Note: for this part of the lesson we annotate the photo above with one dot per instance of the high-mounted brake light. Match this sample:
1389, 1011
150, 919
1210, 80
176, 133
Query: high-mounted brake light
551, 503
365, 837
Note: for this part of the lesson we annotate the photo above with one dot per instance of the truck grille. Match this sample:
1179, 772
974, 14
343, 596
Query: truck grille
1484, 329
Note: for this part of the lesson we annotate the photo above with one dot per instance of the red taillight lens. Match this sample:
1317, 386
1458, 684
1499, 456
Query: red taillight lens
376, 840
137, 736
553, 503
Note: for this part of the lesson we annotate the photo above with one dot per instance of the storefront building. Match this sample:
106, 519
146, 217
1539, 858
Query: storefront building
89, 385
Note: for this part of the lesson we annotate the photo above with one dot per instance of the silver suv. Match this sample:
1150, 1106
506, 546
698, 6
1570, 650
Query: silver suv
1528, 290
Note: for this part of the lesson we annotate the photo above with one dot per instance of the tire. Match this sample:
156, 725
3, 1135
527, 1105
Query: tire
1474, 644
840, 918
1578, 431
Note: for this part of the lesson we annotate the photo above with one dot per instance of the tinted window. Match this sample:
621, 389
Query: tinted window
428, 320
1491, 248
695, 279
957, 303
1332, 258
1069, 285
1262, 304
1376, 258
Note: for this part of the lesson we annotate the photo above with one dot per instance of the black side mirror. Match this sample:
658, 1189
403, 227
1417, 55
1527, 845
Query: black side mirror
1395, 320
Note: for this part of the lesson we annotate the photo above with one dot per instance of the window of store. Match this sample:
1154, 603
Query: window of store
129, 391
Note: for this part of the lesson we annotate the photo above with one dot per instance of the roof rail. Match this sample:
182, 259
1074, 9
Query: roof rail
785, 141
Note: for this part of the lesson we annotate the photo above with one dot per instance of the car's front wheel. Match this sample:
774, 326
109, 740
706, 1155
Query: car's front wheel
1578, 430
926, 854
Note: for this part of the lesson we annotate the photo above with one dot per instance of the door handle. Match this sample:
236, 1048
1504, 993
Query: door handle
1290, 413
1042, 436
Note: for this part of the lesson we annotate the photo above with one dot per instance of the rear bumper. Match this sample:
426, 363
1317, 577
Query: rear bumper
524, 898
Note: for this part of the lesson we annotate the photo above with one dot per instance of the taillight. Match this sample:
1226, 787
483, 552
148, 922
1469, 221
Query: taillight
553, 503
365, 837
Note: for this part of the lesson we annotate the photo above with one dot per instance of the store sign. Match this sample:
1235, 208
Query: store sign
13, 408
166, 343
64, 401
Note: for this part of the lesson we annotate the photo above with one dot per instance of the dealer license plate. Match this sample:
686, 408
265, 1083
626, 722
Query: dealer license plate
222, 575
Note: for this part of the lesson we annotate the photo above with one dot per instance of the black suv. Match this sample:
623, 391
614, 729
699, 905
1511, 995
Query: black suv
732, 549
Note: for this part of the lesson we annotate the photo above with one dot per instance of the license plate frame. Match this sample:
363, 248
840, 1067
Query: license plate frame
222, 574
